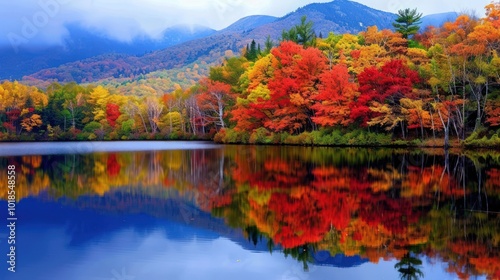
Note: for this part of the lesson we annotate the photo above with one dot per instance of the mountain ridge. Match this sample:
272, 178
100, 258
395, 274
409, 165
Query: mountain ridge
340, 16
81, 44
248, 23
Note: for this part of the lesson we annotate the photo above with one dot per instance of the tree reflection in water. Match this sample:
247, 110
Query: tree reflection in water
408, 267
373, 203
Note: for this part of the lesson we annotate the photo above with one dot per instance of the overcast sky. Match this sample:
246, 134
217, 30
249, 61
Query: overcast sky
43, 21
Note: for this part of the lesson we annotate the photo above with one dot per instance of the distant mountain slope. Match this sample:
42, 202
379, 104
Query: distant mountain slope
114, 65
249, 23
437, 19
344, 16
81, 44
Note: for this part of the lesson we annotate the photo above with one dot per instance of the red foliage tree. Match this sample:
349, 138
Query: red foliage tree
393, 81
112, 113
335, 95
295, 83
13, 119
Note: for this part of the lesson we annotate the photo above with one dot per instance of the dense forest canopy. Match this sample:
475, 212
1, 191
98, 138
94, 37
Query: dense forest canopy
439, 87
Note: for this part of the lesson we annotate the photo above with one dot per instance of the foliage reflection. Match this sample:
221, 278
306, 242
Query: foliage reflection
374, 203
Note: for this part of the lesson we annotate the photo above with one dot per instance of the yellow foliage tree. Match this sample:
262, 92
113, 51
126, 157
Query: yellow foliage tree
99, 98
29, 123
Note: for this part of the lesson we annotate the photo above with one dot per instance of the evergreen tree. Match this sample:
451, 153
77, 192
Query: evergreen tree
252, 52
302, 34
268, 45
29, 103
408, 22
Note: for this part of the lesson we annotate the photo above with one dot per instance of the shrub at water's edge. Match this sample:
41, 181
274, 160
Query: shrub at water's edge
335, 137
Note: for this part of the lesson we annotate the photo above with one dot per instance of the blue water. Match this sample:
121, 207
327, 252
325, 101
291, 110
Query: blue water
65, 240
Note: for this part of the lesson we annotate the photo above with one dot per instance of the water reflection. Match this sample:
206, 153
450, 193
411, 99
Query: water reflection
320, 206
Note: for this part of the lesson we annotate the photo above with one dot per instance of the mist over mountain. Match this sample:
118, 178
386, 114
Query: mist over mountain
82, 43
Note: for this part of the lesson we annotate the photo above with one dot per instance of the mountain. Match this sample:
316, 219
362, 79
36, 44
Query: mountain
112, 65
437, 19
81, 44
249, 23
182, 33
340, 16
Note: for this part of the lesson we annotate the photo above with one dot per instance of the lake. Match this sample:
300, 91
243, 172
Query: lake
196, 210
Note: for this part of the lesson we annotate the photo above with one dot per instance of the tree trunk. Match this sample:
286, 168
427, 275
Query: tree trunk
221, 113
421, 127
447, 135
143, 122
432, 124
446, 128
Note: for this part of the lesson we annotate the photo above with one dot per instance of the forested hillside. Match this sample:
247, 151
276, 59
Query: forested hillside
377, 87
81, 44
337, 16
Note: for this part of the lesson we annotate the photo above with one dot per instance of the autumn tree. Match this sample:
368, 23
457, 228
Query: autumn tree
295, 82
134, 108
174, 121
31, 122
99, 99
73, 105
153, 110
419, 115
112, 113
336, 93
386, 85
18, 104
214, 98
327, 45
230, 72
256, 80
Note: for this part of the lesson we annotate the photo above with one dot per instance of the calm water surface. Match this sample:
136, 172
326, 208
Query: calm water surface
191, 210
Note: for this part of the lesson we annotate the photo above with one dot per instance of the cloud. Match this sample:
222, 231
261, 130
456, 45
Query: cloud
429, 6
35, 22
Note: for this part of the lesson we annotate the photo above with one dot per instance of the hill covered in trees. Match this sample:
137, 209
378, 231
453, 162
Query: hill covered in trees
371, 88
81, 44
337, 16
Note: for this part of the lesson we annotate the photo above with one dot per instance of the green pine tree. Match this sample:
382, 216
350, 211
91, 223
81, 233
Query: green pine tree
268, 45
302, 34
408, 22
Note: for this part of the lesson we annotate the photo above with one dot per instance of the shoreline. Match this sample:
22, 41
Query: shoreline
453, 145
